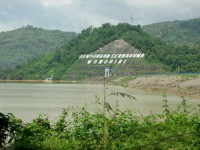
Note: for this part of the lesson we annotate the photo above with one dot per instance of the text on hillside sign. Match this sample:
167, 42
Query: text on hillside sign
109, 58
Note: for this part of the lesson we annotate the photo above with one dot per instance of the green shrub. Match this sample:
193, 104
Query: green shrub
115, 129
4, 128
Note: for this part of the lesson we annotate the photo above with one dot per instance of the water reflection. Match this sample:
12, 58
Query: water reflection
26, 101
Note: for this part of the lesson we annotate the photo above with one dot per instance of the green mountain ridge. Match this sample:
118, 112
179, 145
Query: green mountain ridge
166, 56
24, 44
186, 32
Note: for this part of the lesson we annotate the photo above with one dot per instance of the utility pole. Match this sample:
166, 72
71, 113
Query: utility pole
178, 68
131, 20
104, 97
131, 24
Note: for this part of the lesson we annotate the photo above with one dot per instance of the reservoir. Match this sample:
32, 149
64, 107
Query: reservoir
27, 100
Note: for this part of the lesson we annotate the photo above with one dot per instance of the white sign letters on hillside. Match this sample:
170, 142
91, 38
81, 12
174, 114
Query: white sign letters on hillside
109, 58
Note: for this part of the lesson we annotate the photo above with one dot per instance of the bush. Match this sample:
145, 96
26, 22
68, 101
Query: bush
115, 129
3, 129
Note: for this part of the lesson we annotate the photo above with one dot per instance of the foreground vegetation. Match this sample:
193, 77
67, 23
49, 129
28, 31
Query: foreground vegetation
110, 128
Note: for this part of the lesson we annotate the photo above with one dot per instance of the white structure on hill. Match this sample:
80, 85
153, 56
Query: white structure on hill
108, 71
48, 80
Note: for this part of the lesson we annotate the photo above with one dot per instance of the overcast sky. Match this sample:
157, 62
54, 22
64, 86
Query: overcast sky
75, 15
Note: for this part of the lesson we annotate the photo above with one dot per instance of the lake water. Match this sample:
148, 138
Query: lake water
26, 100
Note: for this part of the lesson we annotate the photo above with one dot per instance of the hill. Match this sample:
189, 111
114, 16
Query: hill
122, 58
89, 40
185, 32
22, 45
167, 56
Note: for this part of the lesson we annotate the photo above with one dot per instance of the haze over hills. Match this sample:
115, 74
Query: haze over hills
22, 45
178, 32
166, 56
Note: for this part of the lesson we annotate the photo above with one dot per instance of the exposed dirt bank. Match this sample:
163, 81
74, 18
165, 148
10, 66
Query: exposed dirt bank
188, 85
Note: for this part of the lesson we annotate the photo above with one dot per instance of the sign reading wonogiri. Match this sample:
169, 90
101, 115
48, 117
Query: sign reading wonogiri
124, 59
109, 58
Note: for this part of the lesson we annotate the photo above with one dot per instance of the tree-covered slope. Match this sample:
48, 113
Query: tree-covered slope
119, 56
91, 39
22, 45
177, 32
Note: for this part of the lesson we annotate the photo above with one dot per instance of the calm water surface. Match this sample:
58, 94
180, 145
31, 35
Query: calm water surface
26, 101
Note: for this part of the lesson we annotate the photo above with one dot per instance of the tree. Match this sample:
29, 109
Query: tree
4, 121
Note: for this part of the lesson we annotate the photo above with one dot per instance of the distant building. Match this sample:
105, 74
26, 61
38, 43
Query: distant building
108, 71
48, 80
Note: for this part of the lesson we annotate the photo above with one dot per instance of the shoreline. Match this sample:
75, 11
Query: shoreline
36, 81
180, 85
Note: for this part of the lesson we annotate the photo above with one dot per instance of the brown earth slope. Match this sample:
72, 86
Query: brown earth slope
187, 85
118, 46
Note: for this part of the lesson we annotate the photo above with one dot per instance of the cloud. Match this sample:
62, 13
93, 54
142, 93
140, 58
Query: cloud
150, 11
75, 15
147, 3
6, 27
55, 3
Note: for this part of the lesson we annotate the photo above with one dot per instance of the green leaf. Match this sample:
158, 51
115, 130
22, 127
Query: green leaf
123, 95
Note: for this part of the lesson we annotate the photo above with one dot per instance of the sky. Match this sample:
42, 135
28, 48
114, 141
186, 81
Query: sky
76, 15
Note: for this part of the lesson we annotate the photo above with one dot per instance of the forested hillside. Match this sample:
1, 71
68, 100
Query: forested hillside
178, 32
22, 45
87, 67
89, 40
